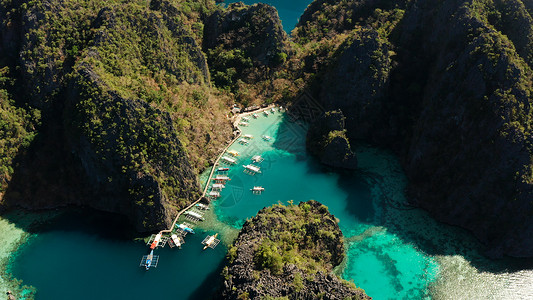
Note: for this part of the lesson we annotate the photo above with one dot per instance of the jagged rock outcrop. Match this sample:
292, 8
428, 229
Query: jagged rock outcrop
357, 82
256, 30
243, 43
454, 86
119, 85
288, 252
326, 139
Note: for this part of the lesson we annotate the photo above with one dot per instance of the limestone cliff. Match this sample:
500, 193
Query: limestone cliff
122, 88
288, 251
326, 139
447, 85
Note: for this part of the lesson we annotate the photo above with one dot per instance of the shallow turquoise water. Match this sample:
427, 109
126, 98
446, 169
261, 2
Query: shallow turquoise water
379, 261
289, 11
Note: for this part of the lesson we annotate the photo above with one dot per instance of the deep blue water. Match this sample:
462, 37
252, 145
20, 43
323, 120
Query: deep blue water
289, 11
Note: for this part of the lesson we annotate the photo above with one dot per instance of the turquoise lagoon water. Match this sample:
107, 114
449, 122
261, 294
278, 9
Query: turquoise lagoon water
393, 251
289, 11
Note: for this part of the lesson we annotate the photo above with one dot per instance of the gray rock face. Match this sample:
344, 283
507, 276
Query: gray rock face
327, 140
256, 30
455, 104
244, 277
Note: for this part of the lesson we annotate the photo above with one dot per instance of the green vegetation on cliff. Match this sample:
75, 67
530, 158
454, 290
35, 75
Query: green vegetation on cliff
288, 251
445, 84
17, 130
123, 89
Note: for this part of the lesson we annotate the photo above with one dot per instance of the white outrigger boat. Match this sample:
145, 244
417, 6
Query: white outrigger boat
248, 136
202, 206
221, 178
194, 215
255, 116
266, 113
177, 240
217, 187
210, 241
185, 228
214, 194
243, 123
257, 190
252, 169
156, 241
245, 119
257, 159
228, 160
273, 110
243, 141
266, 138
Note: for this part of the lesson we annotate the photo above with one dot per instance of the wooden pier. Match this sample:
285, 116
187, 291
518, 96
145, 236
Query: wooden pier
214, 168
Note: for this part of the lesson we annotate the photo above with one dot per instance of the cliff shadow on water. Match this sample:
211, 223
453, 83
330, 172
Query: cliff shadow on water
107, 226
376, 195
212, 284
385, 180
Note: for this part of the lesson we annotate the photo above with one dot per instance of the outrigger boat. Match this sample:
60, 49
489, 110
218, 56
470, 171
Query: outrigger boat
248, 136
228, 160
221, 178
149, 259
243, 141
211, 241
233, 152
266, 137
252, 168
214, 194
266, 113
255, 116
223, 169
217, 187
185, 228
176, 240
195, 215
156, 241
257, 189
273, 110
246, 119
202, 206
243, 123
257, 159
